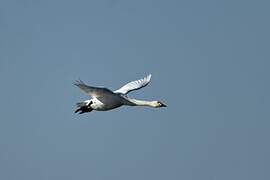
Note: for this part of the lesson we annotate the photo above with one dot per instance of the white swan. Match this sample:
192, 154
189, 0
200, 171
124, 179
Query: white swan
104, 99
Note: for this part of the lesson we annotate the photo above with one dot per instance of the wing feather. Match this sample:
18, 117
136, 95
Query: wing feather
93, 91
134, 85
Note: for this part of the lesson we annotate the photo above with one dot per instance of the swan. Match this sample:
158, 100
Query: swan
104, 99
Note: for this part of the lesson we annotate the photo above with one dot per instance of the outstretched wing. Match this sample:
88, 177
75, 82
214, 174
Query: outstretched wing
93, 91
134, 85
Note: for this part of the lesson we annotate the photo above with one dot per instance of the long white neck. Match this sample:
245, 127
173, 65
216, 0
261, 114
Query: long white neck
136, 102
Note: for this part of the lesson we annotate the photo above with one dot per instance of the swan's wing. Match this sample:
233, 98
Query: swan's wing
93, 91
134, 85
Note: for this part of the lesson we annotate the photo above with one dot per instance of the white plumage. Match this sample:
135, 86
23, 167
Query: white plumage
104, 99
134, 85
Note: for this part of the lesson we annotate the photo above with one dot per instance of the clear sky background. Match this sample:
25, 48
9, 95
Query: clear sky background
210, 65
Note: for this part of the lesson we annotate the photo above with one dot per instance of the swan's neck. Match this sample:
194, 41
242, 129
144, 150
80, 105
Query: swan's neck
136, 102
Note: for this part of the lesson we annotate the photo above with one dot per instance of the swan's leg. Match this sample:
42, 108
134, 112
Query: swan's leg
91, 102
84, 109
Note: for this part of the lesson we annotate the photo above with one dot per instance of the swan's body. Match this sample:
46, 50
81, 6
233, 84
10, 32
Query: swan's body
104, 99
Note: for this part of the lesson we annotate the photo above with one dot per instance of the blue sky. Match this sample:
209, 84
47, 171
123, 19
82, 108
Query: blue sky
210, 65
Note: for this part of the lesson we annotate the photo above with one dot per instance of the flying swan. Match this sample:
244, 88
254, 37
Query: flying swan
104, 99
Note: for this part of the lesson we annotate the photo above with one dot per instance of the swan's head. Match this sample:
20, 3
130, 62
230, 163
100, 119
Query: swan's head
159, 104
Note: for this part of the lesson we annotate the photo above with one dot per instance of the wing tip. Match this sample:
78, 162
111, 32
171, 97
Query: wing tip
78, 82
148, 77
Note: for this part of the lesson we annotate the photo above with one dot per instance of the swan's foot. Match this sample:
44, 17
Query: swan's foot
84, 109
